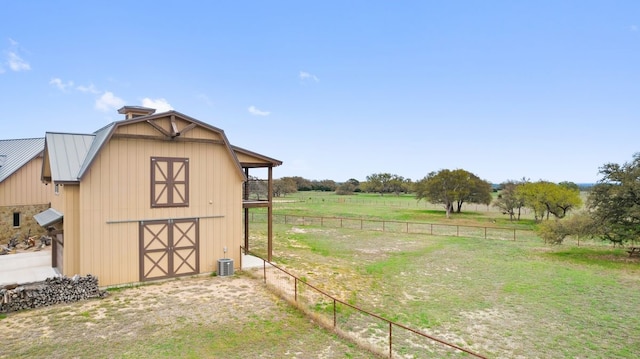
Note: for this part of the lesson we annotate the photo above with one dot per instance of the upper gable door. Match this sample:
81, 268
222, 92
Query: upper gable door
169, 182
169, 248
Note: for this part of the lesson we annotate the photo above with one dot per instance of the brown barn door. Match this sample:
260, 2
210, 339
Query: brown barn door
169, 248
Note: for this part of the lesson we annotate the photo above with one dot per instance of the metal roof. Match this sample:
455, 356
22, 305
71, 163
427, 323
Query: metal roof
71, 155
100, 138
67, 154
48, 217
256, 155
17, 153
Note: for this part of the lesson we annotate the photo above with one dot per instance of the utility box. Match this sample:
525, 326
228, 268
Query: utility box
225, 267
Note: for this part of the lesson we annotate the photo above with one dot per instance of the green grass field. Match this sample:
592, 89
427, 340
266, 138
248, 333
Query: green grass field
499, 298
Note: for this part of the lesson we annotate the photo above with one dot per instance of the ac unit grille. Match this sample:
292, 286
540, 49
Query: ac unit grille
225, 267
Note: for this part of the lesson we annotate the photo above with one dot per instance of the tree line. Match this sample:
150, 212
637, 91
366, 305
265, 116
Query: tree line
612, 210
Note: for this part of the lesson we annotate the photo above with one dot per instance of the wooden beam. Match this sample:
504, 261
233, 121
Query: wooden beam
168, 138
174, 127
157, 127
188, 128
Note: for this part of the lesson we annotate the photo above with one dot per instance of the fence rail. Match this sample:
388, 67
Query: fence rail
370, 330
435, 229
391, 202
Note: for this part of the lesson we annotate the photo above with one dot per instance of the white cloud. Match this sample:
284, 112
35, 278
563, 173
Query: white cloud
160, 104
254, 111
307, 76
62, 86
16, 63
87, 89
108, 102
13, 60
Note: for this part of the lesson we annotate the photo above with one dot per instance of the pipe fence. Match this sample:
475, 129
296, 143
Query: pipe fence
390, 202
434, 229
369, 330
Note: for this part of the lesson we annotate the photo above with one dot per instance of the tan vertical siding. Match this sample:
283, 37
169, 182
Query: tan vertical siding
24, 186
67, 203
117, 188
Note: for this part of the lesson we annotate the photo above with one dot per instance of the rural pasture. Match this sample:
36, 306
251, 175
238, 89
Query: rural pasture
499, 298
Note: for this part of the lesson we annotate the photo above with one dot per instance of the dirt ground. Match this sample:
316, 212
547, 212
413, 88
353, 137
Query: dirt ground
175, 304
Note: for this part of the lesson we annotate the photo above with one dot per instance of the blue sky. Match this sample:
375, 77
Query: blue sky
343, 89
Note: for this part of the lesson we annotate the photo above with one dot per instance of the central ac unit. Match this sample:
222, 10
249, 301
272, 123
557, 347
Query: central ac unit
225, 267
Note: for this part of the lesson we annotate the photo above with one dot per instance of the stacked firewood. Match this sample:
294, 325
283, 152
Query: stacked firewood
52, 291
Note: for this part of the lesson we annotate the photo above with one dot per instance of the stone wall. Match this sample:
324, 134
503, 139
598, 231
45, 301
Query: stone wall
27, 222
52, 291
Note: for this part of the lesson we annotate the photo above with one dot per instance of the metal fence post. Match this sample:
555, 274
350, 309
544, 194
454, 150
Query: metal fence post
334, 312
390, 340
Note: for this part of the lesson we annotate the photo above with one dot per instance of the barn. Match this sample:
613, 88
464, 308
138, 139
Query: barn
153, 196
22, 194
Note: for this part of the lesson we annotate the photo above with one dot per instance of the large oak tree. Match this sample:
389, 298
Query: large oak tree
615, 202
453, 188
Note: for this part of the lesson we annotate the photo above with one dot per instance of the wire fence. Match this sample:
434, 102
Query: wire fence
371, 331
390, 202
434, 229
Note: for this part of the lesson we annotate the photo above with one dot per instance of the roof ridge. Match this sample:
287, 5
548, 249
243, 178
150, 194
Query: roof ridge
22, 139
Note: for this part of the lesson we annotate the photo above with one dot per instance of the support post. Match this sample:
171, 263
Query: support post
246, 212
270, 216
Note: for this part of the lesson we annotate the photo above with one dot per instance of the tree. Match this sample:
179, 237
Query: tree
579, 225
302, 184
398, 184
324, 185
509, 201
546, 198
386, 183
284, 186
257, 187
615, 202
355, 183
451, 188
345, 188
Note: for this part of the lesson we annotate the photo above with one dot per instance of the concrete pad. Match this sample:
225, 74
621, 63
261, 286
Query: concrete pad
26, 267
249, 261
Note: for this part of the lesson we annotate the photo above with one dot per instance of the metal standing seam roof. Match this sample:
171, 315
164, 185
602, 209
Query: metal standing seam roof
48, 217
273, 161
70, 155
17, 153
100, 137
67, 154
